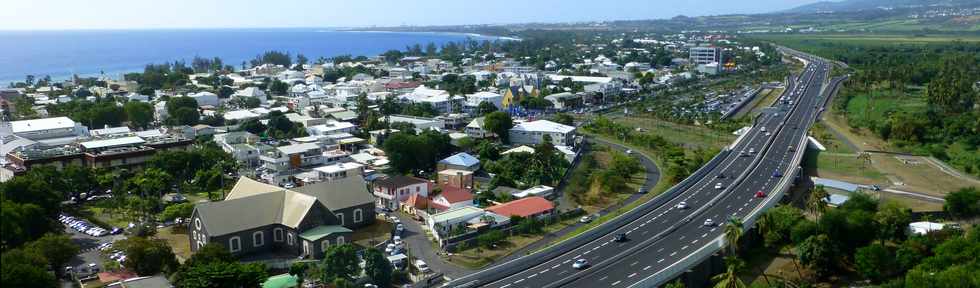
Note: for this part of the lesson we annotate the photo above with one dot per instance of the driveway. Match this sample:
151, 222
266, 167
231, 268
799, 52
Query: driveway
420, 247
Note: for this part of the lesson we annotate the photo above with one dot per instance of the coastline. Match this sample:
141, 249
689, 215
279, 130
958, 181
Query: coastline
304, 41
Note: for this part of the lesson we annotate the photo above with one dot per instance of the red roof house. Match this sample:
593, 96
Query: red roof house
525, 207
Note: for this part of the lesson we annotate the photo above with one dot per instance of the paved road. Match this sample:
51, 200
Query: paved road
628, 262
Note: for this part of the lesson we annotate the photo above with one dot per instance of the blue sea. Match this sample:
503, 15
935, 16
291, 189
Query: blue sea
61, 54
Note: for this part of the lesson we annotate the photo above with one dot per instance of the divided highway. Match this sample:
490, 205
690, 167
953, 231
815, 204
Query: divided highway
659, 241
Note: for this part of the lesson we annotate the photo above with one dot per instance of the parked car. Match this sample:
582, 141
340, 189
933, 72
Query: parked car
399, 229
419, 264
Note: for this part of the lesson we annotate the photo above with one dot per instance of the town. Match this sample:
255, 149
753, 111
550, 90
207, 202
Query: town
453, 164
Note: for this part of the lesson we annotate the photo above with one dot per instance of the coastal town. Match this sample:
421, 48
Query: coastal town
415, 167
450, 148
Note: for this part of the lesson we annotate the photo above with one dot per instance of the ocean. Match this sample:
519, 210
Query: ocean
61, 54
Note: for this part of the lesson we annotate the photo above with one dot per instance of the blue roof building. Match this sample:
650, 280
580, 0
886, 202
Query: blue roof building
460, 161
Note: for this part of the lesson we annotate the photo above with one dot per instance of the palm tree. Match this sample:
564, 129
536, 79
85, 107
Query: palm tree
730, 279
733, 232
815, 204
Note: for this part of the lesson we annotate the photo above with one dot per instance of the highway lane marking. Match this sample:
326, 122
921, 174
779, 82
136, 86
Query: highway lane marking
631, 275
673, 253
505, 286
545, 270
695, 241
682, 237
532, 276
603, 277
661, 260
569, 260
645, 232
682, 248
556, 266
634, 263
704, 235
615, 283
661, 249
586, 252
562, 272
713, 229
519, 281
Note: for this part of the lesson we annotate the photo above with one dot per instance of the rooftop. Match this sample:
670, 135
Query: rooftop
322, 231
523, 207
543, 126
24, 126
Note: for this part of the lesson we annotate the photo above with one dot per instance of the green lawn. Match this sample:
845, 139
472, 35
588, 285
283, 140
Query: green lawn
875, 106
689, 136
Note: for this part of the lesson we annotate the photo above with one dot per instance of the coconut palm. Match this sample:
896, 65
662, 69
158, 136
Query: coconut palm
815, 204
733, 233
730, 279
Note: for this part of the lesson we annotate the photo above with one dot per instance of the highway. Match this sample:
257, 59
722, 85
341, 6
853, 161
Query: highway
666, 234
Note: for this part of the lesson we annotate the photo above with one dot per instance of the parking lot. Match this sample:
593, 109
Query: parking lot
89, 253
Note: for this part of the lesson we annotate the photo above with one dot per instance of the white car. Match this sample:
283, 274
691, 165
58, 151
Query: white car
585, 219
419, 264
581, 263
751, 150
682, 205
397, 240
719, 186
709, 222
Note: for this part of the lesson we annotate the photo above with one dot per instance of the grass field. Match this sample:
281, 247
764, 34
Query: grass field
869, 38
689, 136
866, 108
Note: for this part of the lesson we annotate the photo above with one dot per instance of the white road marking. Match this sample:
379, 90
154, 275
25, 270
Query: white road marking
645, 268
631, 275
532, 276
685, 247
673, 253
518, 281
615, 283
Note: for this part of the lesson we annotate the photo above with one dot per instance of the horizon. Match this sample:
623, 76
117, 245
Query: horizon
63, 15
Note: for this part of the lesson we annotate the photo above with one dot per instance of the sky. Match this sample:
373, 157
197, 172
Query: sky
157, 14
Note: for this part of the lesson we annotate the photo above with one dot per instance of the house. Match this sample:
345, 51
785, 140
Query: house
451, 198
460, 161
473, 101
331, 127
250, 92
533, 133
441, 100
456, 178
444, 222
420, 123
515, 93
475, 129
564, 100
392, 191
240, 144
205, 98
415, 203
530, 207
339, 171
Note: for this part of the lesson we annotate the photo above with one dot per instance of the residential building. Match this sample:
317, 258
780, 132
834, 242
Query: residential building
251, 92
443, 223
475, 129
473, 101
564, 100
533, 133
460, 161
339, 171
543, 191
439, 99
456, 178
420, 123
205, 98
392, 191
331, 127
242, 145
530, 207
452, 198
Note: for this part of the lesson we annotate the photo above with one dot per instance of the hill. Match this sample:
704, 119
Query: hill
863, 5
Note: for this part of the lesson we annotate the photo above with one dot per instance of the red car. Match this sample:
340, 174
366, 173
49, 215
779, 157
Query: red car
760, 194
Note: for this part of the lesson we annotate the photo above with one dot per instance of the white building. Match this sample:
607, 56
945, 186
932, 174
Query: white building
205, 98
421, 123
473, 100
331, 127
534, 132
339, 171
48, 128
251, 92
439, 99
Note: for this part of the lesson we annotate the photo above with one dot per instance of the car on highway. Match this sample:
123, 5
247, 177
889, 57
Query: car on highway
621, 237
642, 190
719, 186
581, 263
767, 134
791, 149
709, 222
751, 150
760, 194
586, 219
629, 152
682, 205
777, 174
